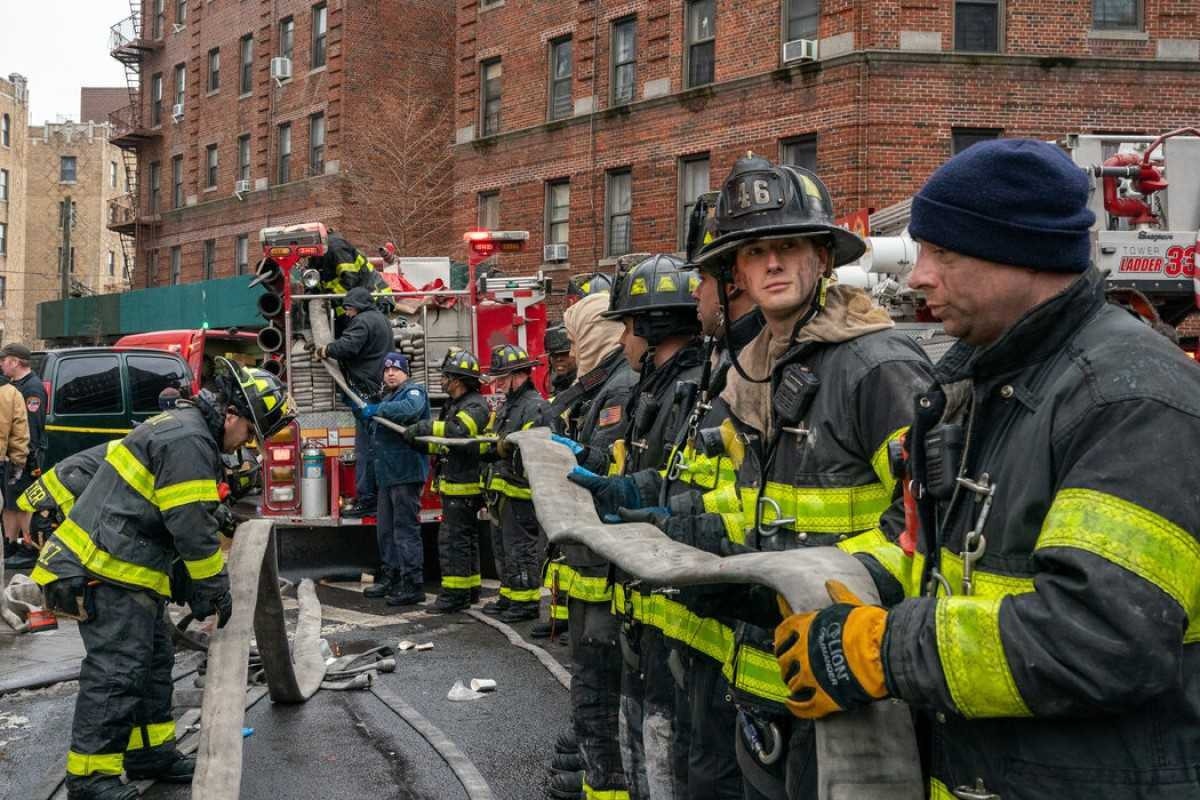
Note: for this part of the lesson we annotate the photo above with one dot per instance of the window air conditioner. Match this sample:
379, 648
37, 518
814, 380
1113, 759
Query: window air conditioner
556, 252
799, 50
241, 187
177, 111
281, 68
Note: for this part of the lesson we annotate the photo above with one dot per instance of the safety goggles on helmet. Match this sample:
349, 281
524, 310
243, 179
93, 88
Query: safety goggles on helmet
257, 395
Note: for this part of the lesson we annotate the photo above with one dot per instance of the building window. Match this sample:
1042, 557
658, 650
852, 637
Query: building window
316, 144
624, 58
283, 172
63, 211
5, 130
1117, 15
156, 98
241, 254
66, 169
803, 19
180, 84
490, 72
112, 174
4, 185
799, 151
176, 264
3, 238
962, 138
489, 211
693, 182
159, 20
210, 167
151, 267
177, 182
977, 26
561, 69
243, 173
181, 12
112, 264
247, 64
210, 257
214, 69
701, 42
3, 291
618, 205
558, 212
320, 31
287, 37
71, 266
155, 180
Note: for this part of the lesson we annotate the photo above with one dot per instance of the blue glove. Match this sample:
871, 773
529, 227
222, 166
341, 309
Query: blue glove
369, 410
609, 494
575, 447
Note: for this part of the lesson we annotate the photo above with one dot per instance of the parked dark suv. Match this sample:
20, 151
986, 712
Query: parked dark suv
98, 393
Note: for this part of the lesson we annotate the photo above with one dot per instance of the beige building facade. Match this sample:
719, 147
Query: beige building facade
71, 162
14, 129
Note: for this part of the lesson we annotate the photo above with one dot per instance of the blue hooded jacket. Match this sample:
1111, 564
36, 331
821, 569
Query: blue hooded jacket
395, 461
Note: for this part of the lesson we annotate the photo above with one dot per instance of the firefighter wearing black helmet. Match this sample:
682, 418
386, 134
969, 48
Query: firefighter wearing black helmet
814, 402
515, 532
557, 345
456, 478
142, 532
581, 286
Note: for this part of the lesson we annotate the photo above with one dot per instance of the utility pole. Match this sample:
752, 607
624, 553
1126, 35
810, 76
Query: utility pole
64, 267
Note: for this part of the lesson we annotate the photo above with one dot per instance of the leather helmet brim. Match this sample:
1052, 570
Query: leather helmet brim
722, 251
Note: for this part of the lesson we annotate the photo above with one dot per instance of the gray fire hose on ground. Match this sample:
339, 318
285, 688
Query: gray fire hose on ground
293, 672
865, 755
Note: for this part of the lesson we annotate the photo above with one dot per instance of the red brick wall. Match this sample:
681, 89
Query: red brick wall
883, 117
97, 102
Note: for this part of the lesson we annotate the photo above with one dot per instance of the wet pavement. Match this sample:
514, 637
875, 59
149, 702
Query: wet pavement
338, 744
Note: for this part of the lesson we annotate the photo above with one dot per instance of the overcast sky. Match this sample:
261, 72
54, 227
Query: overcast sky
60, 46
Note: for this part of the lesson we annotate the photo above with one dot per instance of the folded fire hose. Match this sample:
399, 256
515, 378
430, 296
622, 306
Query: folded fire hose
865, 755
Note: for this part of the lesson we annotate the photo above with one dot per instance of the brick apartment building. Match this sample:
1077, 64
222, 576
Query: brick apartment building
14, 122
351, 130
596, 123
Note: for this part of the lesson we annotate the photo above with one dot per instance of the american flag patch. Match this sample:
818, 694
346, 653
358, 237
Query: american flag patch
609, 416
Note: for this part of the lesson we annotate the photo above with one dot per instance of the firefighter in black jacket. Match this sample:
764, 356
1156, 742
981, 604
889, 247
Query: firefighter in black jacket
360, 350
518, 552
562, 361
143, 531
1050, 635
456, 471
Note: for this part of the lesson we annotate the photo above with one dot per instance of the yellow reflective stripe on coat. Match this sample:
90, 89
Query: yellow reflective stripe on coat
702, 634
938, 791
106, 565
724, 500
756, 672
457, 489
623, 603
590, 590
182, 494
132, 471
468, 422
973, 659
1132, 537
141, 480
460, 581
889, 555
498, 484
42, 576
881, 463
160, 733
83, 764
205, 567
439, 427
604, 794
846, 509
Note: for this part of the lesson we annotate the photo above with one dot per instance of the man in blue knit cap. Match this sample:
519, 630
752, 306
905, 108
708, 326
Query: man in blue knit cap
1050, 631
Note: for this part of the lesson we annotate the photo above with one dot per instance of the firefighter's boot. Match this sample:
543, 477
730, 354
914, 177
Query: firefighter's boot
451, 601
519, 612
405, 593
566, 742
383, 585
476, 593
497, 606
107, 788
566, 786
567, 762
544, 630
168, 766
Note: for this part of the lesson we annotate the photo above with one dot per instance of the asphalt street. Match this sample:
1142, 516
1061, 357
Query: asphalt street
345, 744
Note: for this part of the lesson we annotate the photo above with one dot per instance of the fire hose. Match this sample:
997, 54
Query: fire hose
869, 754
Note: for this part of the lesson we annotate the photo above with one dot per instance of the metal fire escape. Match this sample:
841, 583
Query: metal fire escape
127, 45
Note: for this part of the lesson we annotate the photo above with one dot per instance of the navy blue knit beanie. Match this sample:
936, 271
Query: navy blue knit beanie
1012, 201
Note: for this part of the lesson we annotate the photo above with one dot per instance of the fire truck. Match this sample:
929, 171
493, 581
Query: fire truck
1146, 198
308, 468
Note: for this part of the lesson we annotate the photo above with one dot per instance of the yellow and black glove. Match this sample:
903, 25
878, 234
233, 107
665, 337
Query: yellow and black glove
830, 659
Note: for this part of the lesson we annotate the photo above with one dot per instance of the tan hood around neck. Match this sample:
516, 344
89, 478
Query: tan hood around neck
848, 314
592, 336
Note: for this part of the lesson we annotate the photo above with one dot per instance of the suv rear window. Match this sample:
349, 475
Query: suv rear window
149, 375
88, 385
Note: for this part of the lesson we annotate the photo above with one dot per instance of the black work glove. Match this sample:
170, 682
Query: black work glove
422, 428
701, 531
65, 596
211, 596
228, 519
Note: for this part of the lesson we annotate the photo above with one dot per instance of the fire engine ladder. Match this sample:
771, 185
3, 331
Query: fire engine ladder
127, 46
